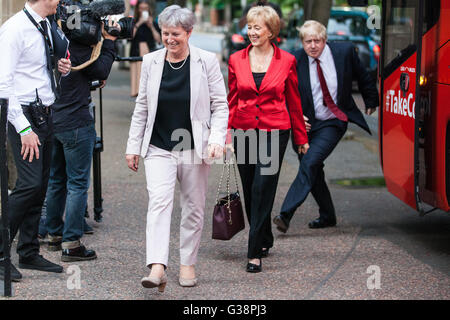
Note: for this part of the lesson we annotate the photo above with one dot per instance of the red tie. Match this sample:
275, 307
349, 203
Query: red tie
328, 101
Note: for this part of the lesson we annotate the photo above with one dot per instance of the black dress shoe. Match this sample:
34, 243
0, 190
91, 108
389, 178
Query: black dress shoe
254, 268
321, 223
265, 253
282, 225
78, 254
16, 276
38, 262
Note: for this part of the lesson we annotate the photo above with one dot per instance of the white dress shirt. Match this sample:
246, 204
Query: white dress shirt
23, 66
329, 72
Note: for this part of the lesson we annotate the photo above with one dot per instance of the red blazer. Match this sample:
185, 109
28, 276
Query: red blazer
265, 109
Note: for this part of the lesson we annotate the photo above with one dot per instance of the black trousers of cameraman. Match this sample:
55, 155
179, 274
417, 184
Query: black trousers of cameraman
25, 201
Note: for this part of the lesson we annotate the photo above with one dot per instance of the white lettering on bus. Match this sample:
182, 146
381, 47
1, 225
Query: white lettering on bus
411, 70
398, 105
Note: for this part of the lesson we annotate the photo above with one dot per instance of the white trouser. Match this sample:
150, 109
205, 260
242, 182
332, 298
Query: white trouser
163, 169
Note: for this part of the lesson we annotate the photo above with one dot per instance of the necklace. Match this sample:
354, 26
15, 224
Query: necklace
258, 64
174, 68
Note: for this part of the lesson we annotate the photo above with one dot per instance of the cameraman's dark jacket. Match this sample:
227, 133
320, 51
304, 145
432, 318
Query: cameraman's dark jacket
71, 110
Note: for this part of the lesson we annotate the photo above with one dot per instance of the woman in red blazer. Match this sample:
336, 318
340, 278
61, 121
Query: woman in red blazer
265, 103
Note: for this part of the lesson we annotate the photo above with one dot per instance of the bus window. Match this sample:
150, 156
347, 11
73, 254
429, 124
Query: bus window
400, 31
431, 14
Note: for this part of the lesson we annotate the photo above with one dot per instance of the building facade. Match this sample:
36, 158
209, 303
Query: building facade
9, 7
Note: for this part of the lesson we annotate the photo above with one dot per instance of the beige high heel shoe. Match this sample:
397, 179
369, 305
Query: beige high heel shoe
187, 282
152, 282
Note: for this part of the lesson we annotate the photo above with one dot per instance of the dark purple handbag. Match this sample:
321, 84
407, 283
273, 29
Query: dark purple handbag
228, 216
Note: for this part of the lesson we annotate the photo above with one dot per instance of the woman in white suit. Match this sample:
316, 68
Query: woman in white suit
179, 121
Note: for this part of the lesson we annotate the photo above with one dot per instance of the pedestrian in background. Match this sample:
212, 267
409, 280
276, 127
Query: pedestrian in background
262, 80
182, 91
326, 72
146, 37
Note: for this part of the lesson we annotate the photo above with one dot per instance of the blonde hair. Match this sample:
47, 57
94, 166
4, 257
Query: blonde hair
312, 28
268, 15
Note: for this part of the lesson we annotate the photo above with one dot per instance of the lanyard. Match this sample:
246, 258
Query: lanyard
48, 51
39, 27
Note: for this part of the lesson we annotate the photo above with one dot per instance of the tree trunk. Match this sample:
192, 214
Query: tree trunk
214, 17
227, 16
181, 3
307, 9
318, 10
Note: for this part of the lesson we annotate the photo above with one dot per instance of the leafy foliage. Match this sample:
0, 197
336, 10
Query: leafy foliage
286, 5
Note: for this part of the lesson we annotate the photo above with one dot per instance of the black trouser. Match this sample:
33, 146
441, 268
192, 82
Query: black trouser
323, 138
259, 181
25, 201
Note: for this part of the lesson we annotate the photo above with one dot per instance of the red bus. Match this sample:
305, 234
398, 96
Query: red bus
414, 115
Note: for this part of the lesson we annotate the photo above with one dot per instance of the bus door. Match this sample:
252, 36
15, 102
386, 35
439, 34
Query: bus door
432, 112
413, 120
399, 75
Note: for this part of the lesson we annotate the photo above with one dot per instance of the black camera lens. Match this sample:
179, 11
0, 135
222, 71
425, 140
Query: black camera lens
126, 28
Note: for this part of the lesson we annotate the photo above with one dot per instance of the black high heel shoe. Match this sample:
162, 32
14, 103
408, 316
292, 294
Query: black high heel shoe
265, 253
254, 268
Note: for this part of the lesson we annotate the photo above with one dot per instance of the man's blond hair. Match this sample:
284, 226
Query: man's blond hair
312, 28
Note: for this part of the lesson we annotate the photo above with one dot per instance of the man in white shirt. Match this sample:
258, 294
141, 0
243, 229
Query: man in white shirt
26, 76
325, 75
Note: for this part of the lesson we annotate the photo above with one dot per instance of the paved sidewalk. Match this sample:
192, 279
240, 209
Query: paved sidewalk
374, 229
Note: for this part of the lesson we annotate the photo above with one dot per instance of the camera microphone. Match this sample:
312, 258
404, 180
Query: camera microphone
101, 8
88, 29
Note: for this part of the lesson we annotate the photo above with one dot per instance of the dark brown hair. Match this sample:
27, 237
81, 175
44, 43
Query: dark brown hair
137, 14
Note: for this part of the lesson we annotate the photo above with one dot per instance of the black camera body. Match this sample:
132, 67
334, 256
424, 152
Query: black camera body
81, 20
78, 23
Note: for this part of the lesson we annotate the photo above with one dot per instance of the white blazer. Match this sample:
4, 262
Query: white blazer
209, 106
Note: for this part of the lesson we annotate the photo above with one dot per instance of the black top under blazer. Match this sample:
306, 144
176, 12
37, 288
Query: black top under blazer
348, 68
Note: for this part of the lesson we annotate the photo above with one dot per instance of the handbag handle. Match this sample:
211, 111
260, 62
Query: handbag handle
227, 164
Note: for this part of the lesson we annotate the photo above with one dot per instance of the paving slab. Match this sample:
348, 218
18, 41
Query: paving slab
373, 229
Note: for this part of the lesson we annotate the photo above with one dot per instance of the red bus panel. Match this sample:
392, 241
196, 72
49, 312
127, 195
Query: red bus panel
398, 131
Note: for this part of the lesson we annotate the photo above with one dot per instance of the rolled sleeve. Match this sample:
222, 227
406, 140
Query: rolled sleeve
16, 116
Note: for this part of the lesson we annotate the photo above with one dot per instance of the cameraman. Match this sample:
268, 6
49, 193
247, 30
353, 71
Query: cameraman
74, 141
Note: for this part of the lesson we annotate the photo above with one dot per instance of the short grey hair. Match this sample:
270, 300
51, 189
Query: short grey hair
175, 16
